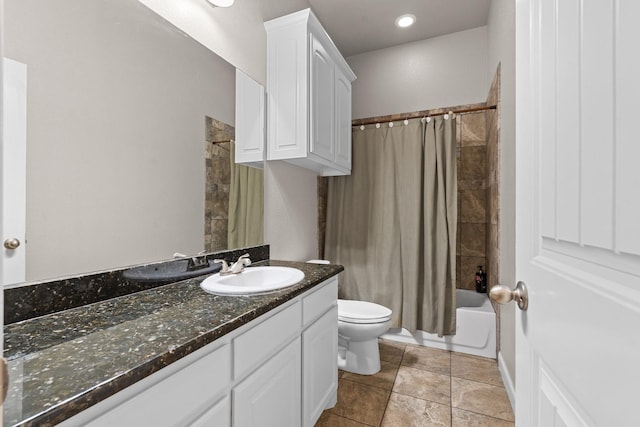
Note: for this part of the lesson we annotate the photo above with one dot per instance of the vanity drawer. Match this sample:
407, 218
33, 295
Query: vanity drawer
263, 340
316, 304
174, 400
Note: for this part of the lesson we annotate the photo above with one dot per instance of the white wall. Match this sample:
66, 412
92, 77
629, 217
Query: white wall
291, 201
235, 33
439, 72
116, 129
501, 42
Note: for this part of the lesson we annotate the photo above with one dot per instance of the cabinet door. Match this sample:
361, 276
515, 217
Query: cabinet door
322, 131
320, 361
250, 118
218, 415
343, 120
177, 399
270, 396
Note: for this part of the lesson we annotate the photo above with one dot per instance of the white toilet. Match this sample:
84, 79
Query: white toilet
360, 323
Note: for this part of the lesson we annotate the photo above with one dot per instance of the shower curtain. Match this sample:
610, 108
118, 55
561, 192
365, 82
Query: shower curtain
246, 205
392, 222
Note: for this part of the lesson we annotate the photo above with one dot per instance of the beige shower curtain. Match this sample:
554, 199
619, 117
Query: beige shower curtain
246, 205
392, 222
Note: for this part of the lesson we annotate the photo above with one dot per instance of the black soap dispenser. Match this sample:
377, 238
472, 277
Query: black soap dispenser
481, 280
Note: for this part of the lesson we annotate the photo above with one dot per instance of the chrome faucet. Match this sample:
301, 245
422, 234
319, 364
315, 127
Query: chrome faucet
197, 262
236, 267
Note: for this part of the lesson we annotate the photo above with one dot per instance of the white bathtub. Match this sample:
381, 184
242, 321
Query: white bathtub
475, 328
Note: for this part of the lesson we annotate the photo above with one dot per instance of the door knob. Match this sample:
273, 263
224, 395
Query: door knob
502, 295
11, 243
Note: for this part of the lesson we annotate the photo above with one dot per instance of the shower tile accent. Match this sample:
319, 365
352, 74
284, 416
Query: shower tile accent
218, 174
473, 130
473, 164
473, 206
323, 190
472, 198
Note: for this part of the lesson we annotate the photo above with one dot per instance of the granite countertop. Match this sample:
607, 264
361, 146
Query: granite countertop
65, 362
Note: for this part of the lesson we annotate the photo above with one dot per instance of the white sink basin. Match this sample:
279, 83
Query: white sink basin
253, 280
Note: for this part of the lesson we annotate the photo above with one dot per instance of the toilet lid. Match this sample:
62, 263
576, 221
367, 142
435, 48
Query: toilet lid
362, 312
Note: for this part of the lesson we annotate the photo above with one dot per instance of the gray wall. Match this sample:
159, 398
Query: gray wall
116, 110
434, 73
501, 41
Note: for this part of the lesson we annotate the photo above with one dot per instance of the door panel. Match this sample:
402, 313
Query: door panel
577, 245
14, 154
322, 103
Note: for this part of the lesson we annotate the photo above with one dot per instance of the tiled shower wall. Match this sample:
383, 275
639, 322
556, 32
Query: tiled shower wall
218, 180
478, 193
471, 247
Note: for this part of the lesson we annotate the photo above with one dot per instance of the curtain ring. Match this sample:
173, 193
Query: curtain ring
377, 125
390, 124
406, 122
361, 127
446, 116
428, 119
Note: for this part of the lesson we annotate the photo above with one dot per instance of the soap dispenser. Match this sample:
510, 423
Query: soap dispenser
481, 280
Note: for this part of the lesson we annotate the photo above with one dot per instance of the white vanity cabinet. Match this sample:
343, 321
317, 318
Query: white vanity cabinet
250, 121
309, 96
279, 370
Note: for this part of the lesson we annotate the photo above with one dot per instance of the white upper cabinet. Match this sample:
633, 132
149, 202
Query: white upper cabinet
250, 120
309, 96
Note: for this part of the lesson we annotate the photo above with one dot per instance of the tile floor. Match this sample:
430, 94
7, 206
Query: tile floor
420, 386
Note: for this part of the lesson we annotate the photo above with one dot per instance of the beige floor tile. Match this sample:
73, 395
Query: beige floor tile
327, 419
462, 418
428, 359
407, 411
423, 384
383, 379
475, 368
481, 398
360, 402
391, 351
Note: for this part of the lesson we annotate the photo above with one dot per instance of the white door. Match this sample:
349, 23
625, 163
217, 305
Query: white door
14, 171
578, 212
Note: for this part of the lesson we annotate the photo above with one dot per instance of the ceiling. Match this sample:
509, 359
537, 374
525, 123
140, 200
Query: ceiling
358, 26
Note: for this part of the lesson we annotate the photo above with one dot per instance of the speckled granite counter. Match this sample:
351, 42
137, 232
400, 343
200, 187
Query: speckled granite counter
64, 362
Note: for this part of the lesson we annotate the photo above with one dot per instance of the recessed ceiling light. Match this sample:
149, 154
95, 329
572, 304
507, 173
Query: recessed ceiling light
405, 21
221, 3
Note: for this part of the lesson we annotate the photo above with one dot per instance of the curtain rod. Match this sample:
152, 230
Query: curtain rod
222, 142
420, 114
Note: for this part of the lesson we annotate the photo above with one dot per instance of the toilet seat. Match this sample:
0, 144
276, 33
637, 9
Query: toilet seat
362, 312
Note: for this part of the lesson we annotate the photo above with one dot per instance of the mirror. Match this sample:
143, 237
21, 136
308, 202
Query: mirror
119, 117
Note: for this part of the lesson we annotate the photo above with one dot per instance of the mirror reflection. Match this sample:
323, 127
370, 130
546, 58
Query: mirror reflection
129, 138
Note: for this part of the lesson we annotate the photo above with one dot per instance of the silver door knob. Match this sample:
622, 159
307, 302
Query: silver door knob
503, 295
11, 243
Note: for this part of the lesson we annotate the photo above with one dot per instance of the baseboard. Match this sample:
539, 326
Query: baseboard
508, 382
